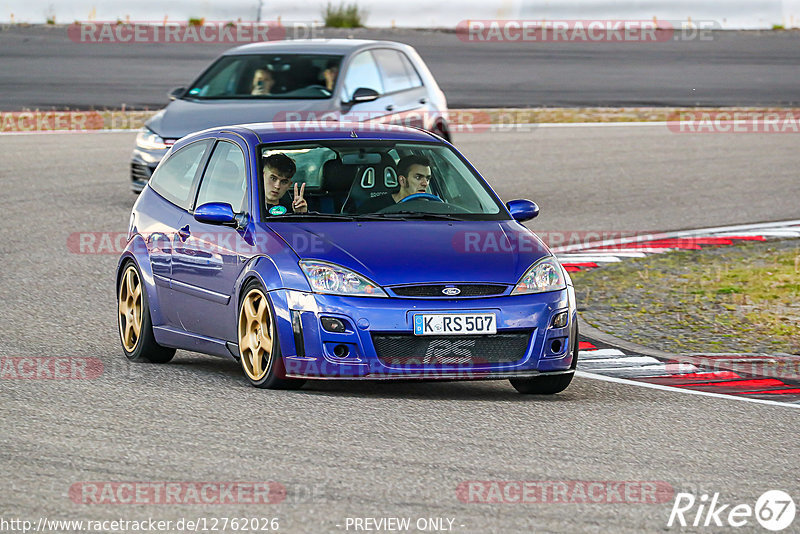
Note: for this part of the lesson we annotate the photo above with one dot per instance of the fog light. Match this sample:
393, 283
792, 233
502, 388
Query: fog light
341, 351
332, 324
560, 320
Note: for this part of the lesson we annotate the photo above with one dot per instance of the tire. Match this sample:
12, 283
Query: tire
259, 348
549, 385
138, 344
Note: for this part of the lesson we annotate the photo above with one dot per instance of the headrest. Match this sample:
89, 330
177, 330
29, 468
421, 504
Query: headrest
336, 176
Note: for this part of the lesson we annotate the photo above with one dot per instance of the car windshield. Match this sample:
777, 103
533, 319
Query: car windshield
380, 180
268, 76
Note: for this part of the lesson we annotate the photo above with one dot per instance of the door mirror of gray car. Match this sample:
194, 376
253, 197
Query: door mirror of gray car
176, 93
362, 94
215, 213
523, 210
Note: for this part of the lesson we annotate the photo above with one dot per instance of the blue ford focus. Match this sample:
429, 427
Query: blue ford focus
321, 251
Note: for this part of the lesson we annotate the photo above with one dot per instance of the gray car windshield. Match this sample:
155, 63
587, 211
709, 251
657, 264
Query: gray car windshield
386, 180
268, 76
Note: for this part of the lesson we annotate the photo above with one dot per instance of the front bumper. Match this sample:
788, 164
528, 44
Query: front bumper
310, 351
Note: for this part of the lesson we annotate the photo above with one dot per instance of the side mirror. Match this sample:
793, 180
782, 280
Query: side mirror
362, 94
176, 93
215, 213
523, 210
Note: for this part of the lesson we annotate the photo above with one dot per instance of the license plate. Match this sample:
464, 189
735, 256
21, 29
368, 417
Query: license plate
447, 324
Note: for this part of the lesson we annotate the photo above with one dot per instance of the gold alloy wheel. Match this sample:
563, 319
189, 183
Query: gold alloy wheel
255, 334
130, 308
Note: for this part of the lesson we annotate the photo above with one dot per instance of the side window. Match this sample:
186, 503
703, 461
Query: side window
413, 75
393, 70
362, 72
173, 179
225, 179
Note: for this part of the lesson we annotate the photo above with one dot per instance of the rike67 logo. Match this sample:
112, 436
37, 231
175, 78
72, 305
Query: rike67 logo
774, 510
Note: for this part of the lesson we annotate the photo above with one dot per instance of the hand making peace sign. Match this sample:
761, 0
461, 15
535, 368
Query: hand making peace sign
299, 204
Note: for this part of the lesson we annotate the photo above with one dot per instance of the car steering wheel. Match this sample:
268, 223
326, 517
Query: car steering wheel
425, 196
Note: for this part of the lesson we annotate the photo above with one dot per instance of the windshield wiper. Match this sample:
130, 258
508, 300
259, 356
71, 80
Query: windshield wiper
311, 216
403, 215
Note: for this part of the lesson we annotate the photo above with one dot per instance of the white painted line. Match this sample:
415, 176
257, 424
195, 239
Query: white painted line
593, 376
641, 371
598, 124
71, 132
532, 126
621, 253
600, 352
750, 229
626, 360
643, 250
567, 258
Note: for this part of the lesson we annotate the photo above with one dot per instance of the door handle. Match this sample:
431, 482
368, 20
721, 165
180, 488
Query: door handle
389, 107
184, 233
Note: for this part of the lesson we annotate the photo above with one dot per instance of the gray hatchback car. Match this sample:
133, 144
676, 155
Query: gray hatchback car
315, 80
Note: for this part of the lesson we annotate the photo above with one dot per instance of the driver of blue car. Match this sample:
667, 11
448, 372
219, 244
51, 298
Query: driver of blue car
413, 174
278, 172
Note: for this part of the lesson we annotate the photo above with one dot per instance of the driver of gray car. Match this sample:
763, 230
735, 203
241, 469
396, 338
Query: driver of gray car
413, 175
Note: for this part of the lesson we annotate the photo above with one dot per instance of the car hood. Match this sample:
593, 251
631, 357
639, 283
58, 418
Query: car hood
182, 117
416, 252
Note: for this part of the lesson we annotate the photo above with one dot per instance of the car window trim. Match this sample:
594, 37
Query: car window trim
217, 141
350, 60
380, 71
502, 215
195, 179
187, 96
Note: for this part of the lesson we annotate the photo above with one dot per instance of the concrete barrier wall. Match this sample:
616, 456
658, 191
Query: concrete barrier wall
728, 14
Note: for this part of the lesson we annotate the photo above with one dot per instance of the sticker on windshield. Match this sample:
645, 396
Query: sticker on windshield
277, 210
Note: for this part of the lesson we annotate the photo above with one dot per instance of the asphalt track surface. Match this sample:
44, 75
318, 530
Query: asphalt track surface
345, 449
41, 67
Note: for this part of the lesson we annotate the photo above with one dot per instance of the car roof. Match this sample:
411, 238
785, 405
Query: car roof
273, 132
310, 46
276, 132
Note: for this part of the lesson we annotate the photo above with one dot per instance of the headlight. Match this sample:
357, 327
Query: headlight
335, 280
148, 140
545, 275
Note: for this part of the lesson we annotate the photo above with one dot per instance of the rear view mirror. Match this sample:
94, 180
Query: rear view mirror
523, 210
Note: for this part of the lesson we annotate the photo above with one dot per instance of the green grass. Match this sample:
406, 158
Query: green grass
739, 297
344, 16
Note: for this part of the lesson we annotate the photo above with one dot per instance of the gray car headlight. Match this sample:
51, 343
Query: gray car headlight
336, 280
149, 140
544, 275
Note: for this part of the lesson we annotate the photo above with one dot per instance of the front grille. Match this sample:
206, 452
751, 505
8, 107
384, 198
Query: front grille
467, 290
405, 349
140, 172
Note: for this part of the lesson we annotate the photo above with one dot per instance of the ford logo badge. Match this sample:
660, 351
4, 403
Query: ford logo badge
451, 291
